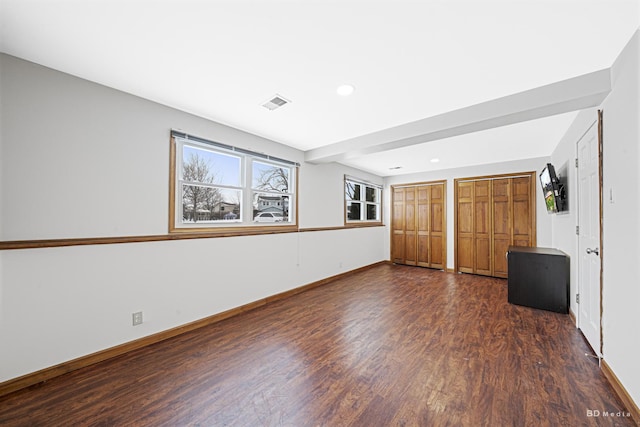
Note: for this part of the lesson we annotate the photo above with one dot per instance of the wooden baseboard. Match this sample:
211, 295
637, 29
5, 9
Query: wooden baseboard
46, 374
572, 316
622, 393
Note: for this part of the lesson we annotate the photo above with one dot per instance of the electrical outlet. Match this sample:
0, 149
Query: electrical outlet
137, 318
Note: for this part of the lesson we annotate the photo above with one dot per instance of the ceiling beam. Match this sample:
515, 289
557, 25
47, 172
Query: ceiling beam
588, 90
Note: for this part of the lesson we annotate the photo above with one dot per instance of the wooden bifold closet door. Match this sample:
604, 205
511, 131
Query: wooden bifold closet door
418, 226
493, 213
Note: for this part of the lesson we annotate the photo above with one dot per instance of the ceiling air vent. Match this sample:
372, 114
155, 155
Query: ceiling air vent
276, 101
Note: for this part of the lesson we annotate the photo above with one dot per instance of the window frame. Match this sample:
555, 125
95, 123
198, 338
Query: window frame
245, 222
364, 203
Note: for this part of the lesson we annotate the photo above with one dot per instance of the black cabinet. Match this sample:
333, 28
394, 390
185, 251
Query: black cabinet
538, 278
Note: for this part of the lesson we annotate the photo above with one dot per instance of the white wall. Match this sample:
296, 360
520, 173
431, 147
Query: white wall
621, 228
80, 160
621, 247
83, 160
319, 201
543, 221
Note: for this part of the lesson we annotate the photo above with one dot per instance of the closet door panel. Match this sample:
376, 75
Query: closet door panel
423, 208
501, 225
437, 217
410, 209
410, 249
398, 247
482, 228
397, 220
483, 257
397, 226
465, 217
437, 251
424, 249
410, 227
522, 224
437, 233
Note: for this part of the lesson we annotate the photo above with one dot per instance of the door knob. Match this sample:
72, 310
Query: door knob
593, 251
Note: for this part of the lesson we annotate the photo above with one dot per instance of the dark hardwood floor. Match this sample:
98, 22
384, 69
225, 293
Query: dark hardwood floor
388, 346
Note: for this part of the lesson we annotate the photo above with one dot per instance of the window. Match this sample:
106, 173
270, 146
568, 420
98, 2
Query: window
217, 186
362, 201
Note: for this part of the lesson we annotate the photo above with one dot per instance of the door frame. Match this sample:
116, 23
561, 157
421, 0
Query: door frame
599, 350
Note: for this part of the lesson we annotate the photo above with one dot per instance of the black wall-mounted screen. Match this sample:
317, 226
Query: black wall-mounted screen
552, 190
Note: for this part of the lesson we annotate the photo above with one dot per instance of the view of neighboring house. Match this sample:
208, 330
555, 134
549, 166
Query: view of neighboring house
219, 211
273, 204
225, 210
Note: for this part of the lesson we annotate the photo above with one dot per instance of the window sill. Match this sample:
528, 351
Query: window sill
363, 224
232, 231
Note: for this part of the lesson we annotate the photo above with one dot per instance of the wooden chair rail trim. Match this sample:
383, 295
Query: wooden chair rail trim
343, 227
46, 374
622, 393
54, 243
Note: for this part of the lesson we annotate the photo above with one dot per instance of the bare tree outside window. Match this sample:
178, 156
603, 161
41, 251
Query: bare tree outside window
271, 189
271, 178
352, 190
198, 201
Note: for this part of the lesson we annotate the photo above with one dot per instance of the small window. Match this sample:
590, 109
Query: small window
218, 186
362, 202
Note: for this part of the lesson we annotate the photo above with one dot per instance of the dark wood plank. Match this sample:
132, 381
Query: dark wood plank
391, 345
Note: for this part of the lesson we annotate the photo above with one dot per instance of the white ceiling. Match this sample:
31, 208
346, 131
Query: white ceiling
408, 60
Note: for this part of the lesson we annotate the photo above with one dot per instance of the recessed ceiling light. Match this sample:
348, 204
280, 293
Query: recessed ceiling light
435, 160
345, 90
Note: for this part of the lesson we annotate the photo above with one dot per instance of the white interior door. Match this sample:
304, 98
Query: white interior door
589, 238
